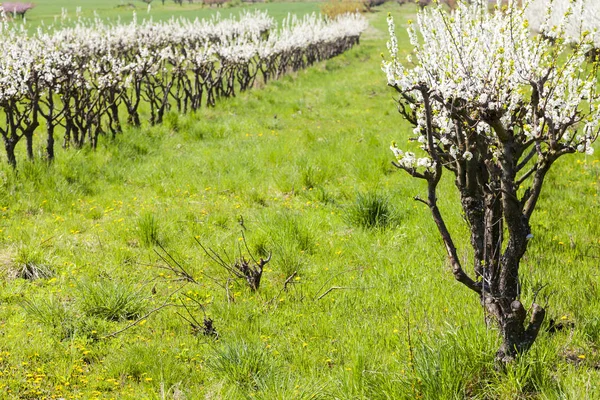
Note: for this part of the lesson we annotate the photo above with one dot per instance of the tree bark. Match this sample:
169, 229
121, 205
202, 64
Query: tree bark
50, 143
29, 142
28, 133
9, 146
516, 338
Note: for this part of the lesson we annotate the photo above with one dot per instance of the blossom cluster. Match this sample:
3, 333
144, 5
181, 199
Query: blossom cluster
551, 17
84, 76
488, 80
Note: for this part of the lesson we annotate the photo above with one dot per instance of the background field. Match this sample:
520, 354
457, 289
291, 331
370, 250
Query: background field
297, 163
47, 11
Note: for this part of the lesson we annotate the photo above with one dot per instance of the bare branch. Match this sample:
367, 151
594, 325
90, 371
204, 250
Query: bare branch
412, 171
420, 200
137, 321
457, 270
525, 160
331, 289
335, 276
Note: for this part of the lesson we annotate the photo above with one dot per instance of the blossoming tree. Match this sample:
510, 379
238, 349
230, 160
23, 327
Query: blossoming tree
496, 107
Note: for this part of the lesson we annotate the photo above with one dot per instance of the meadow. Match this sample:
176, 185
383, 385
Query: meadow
47, 11
106, 288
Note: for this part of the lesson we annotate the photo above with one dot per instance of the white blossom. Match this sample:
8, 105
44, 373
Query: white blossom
574, 18
487, 64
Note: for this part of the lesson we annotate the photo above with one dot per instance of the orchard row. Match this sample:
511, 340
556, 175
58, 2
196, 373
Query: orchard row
87, 78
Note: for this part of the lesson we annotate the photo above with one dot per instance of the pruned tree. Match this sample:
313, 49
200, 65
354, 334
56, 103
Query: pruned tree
240, 268
496, 107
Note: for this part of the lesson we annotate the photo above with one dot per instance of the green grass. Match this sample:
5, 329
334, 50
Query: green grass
288, 162
47, 11
371, 210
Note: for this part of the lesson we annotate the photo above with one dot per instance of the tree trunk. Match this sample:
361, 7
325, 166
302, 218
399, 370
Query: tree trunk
114, 113
9, 145
516, 339
134, 118
29, 142
50, 142
29, 139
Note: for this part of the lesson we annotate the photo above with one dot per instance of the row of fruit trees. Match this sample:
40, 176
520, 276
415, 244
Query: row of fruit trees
86, 78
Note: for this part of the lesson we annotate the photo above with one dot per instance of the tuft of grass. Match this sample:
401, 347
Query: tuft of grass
242, 364
148, 229
444, 366
291, 241
261, 247
296, 233
528, 377
172, 121
371, 210
152, 363
312, 177
30, 264
52, 312
111, 300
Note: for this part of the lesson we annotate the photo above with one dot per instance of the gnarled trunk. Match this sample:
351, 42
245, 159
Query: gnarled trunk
516, 337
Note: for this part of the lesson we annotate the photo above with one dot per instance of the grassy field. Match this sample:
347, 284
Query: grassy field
47, 11
302, 168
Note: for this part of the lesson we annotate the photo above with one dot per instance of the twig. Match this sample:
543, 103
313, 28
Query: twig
229, 298
417, 198
179, 271
99, 242
240, 268
289, 280
410, 347
43, 242
206, 327
192, 324
137, 321
197, 302
331, 289
241, 222
535, 295
195, 324
246, 246
335, 276
215, 257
